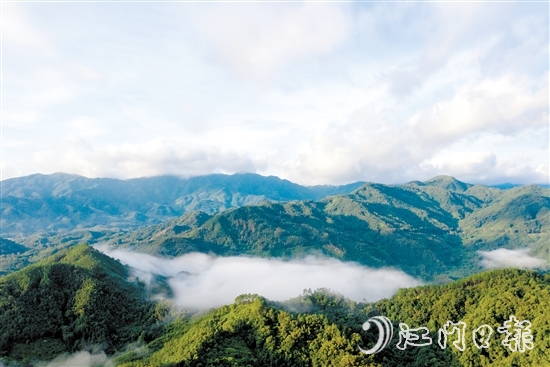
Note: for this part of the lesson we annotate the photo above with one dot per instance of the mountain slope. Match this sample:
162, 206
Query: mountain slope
75, 298
377, 226
429, 229
488, 298
422, 228
62, 201
519, 218
323, 329
253, 333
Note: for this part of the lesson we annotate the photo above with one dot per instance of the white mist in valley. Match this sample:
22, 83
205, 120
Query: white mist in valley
504, 258
204, 281
78, 359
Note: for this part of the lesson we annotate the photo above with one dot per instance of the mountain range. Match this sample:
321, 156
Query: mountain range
63, 201
60, 296
431, 229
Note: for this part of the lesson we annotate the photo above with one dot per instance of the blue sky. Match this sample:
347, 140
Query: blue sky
318, 93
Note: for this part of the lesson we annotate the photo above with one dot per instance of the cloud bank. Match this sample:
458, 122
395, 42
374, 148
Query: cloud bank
202, 281
504, 258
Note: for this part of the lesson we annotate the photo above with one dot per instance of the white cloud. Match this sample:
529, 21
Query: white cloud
315, 93
378, 143
19, 33
79, 359
503, 258
154, 157
503, 105
257, 39
203, 281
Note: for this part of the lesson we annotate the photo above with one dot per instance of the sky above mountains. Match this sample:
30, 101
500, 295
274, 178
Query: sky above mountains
317, 93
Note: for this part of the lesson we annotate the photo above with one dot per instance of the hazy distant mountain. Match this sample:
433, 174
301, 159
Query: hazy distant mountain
62, 201
424, 228
10, 247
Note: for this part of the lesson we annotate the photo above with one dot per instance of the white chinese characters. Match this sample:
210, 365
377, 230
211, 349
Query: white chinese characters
518, 337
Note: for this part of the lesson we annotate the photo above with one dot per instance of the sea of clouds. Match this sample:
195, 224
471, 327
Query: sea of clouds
201, 281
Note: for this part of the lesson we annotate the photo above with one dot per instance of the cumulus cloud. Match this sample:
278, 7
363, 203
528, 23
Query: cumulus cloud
255, 40
504, 258
155, 157
378, 143
202, 281
502, 105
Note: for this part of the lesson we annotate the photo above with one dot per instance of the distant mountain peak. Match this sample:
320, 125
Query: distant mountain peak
448, 182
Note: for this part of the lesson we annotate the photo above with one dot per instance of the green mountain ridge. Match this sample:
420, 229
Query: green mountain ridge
430, 229
425, 229
64, 202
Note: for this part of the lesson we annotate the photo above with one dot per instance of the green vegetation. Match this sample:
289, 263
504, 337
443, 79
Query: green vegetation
50, 203
323, 329
253, 333
520, 218
487, 298
430, 229
73, 299
78, 298
425, 229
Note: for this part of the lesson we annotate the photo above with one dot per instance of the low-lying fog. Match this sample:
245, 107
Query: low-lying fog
204, 281
504, 258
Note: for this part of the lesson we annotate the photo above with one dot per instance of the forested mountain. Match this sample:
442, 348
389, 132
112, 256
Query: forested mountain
69, 301
520, 216
79, 297
429, 229
488, 298
63, 201
320, 329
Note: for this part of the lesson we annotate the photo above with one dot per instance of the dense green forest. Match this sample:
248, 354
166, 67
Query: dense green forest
324, 329
69, 301
431, 230
79, 298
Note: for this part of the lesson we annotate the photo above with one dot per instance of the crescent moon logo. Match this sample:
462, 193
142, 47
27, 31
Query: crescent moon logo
385, 333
